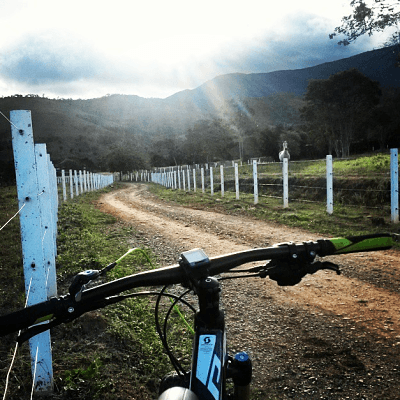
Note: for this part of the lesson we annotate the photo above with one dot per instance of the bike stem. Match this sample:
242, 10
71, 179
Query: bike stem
209, 316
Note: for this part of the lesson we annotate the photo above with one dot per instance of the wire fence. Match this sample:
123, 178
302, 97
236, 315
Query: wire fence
38, 201
307, 181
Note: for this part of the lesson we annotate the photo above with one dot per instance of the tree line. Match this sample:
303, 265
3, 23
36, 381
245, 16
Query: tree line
345, 114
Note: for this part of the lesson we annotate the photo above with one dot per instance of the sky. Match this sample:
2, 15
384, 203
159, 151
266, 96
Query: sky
155, 48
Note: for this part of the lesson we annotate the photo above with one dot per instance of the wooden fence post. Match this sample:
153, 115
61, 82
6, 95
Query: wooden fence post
31, 238
394, 187
329, 184
255, 181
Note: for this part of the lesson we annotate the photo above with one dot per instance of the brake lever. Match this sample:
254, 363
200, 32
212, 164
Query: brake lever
80, 280
318, 265
72, 312
290, 272
34, 330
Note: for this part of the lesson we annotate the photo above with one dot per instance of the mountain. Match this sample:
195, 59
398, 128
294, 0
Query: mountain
85, 132
379, 65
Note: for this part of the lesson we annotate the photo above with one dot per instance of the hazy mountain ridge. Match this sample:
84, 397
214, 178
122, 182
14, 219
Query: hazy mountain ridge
379, 65
86, 130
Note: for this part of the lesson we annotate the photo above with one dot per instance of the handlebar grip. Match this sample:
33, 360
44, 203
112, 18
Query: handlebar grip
28, 316
353, 244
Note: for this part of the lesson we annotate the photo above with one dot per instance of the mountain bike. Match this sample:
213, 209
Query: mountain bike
211, 365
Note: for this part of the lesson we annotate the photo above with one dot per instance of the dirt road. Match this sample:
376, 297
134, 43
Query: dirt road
335, 337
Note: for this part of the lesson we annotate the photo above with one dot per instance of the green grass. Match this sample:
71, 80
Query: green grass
346, 219
110, 354
369, 166
11, 270
91, 239
363, 166
311, 216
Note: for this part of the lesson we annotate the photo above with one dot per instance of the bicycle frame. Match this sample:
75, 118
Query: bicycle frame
209, 355
211, 365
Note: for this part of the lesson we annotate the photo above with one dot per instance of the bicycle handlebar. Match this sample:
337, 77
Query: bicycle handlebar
66, 308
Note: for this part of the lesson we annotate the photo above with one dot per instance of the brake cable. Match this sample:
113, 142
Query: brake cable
175, 363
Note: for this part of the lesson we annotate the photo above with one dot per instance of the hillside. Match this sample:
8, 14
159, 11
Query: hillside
84, 132
379, 65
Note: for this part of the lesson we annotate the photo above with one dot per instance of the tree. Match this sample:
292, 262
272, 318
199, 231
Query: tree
368, 17
124, 160
384, 122
166, 152
208, 141
338, 106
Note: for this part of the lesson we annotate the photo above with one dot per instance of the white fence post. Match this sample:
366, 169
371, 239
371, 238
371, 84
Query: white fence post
80, 181
76, 181
212, 181
85, 180
31, 238
221, 170
64, 188
48, 211
71, 184
91, 181
54, 200
255, 181
285, 171
237, 180
194, 179
202, 180
394, 187
329, 184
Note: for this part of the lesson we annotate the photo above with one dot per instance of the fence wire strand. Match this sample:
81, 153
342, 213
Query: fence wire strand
13, 216
16, 347
9, 121
34, 372
9, 371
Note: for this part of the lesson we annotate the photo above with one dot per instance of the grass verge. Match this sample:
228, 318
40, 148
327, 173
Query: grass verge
113, 353
312, 216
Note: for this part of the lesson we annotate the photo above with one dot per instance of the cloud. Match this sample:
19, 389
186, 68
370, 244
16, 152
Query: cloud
300, 42
70, 65
46, 59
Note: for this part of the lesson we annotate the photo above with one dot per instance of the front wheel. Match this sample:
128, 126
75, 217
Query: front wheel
178, 393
